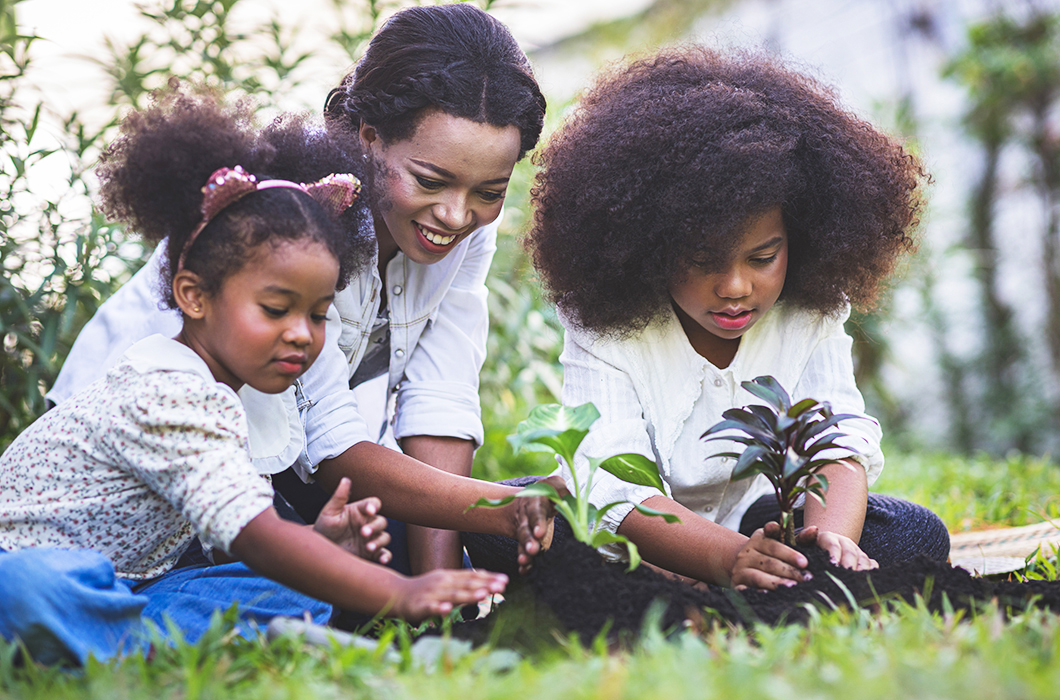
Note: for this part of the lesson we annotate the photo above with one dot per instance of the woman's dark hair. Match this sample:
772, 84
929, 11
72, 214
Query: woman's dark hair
454, 58
666, 158
151, 178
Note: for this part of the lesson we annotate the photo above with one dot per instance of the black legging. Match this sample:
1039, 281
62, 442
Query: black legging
895, 530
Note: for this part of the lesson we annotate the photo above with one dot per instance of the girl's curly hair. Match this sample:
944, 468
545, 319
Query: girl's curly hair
666, 158
151, 178
454, 58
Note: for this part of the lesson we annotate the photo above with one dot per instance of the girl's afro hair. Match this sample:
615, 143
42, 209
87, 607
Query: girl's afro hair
666, 158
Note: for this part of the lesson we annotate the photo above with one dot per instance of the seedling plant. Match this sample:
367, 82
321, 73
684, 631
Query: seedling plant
782, 441
561, 430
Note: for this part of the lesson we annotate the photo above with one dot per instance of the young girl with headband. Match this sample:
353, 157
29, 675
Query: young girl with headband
704, 219
439, 109
102, 497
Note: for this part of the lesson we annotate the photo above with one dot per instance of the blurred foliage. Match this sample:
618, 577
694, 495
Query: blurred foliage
1010, 69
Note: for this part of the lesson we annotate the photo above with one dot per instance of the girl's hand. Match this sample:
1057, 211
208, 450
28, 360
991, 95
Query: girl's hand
534, 521
842, 550
356, 527
765, 562
436, 592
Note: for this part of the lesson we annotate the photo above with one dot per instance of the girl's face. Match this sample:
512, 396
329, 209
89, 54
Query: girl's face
434, 188
266, 325
717, 308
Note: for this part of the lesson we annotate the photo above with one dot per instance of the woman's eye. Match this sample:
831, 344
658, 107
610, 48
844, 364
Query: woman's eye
491, 196
428, 183
273, 311
764, 261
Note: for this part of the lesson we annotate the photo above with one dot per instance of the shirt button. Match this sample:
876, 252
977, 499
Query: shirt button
397, 289
399, 353
708, 509
718, 382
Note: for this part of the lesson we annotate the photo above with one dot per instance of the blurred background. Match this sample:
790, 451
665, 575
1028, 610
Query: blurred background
961, 358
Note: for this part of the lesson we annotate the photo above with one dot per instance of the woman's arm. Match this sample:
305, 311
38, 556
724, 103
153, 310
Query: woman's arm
431, 548
420, 494
305, 561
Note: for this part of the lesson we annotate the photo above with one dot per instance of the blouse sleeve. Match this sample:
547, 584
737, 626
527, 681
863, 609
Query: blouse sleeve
621, 428
439, 393
186, 440
829, 376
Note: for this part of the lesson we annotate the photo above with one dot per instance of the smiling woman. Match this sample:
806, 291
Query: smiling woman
436, 114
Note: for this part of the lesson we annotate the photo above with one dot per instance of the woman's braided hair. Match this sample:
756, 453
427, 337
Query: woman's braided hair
454, 58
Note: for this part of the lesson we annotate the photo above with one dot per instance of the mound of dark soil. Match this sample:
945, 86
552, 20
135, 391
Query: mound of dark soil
576, 591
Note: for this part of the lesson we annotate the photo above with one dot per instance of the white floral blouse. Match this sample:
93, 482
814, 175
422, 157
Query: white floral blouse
135, 465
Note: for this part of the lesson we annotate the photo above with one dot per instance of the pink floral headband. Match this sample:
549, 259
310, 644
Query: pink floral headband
226, 186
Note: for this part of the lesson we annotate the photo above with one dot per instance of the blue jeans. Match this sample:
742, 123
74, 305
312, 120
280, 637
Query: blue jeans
67, 604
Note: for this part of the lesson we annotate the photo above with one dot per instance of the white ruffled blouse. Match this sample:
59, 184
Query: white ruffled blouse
656, 397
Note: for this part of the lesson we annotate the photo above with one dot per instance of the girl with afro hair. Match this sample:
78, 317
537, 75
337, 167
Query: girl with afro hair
703, 219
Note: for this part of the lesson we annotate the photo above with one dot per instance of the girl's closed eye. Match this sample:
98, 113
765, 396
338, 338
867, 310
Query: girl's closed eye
273, 311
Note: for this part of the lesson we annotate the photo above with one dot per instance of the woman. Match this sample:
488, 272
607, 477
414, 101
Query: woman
443, 104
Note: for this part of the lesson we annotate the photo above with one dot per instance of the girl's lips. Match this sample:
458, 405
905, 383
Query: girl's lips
290, 366
731, 322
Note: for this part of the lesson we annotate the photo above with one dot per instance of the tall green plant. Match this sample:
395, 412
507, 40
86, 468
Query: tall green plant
782, 442
559, 430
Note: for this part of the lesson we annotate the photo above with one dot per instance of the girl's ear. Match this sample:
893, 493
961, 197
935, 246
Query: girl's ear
188, 294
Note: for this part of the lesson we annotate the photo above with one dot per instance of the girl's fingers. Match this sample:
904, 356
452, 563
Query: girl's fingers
339, 498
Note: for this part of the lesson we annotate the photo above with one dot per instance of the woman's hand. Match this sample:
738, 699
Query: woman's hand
356, 527
436, 592
842, 550
765, 562
534, 522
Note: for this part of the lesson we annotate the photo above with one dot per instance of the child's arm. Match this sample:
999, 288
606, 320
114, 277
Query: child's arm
417, 493
307, 562
839, 522
705, 551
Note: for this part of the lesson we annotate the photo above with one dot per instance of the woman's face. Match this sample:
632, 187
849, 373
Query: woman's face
434, 188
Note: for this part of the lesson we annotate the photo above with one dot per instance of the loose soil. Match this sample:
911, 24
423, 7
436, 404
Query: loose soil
573, 590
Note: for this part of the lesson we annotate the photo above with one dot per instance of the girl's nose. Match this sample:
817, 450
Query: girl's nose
733, 284
298, 332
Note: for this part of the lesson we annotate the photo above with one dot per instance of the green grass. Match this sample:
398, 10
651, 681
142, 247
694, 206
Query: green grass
907, 652
977, 492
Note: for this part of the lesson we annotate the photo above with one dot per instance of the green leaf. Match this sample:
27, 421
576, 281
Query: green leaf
559, 428
767, 437
804, 406
793, 463
749, 463
645, 510
534, 490
769, 389
818, 427
490, 503
634, 469
605, 537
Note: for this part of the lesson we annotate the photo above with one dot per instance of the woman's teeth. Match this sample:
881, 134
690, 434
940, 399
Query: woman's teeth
434, 237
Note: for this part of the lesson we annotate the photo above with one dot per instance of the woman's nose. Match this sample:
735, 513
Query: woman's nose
454, 213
